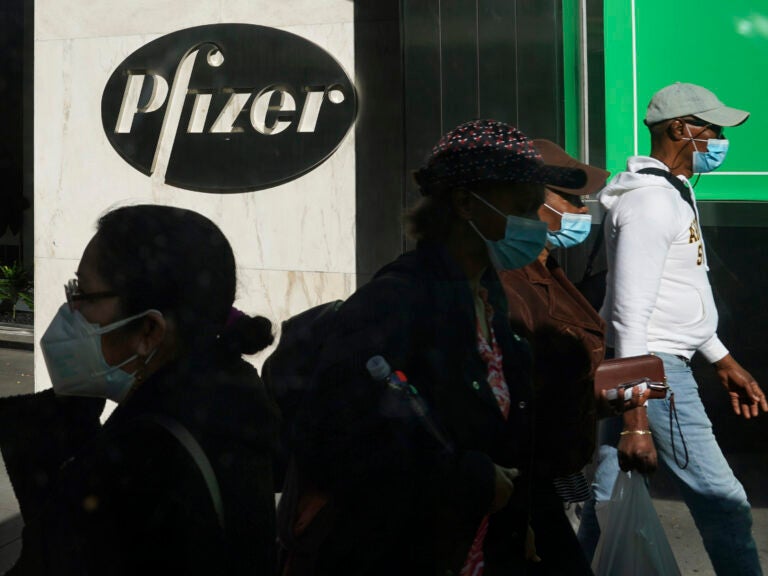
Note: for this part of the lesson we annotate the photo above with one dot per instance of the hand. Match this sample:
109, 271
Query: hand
637, 452
606, 408
746, 396
530, 546
504, 486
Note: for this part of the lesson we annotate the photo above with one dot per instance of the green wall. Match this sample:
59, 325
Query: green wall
720, 45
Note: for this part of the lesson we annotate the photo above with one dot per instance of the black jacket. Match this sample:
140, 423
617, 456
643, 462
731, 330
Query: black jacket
127, 498
405, 503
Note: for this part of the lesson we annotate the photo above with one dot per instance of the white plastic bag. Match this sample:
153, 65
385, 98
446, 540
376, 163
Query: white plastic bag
632, 540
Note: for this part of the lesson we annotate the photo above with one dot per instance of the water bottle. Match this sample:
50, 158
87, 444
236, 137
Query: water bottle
381, 371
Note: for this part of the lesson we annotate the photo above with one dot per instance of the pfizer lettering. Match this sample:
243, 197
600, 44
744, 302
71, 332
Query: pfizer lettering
228, 107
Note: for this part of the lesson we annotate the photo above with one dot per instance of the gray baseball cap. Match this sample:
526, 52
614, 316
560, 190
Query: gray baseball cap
681, 99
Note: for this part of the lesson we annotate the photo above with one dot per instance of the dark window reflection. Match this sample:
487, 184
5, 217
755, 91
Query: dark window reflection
738, 277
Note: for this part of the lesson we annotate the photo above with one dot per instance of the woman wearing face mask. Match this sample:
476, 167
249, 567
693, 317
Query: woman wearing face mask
443, 487
178, 479
568, 338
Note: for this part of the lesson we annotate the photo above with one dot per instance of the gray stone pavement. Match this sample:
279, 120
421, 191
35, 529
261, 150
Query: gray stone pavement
16, 377
16, 336
752, 470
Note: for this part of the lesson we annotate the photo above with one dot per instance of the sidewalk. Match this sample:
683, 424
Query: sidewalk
751, 468
16, 336
16, 377
10, 524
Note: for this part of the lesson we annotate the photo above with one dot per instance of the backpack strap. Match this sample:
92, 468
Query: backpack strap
193, 448
685, 193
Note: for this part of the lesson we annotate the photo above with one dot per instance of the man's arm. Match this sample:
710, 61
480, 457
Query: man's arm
746, 396
747, 399
645, 226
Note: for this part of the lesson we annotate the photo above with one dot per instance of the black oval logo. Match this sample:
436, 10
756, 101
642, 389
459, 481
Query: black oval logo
228, 107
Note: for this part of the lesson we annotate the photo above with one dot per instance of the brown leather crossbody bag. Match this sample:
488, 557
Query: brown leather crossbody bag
623, 374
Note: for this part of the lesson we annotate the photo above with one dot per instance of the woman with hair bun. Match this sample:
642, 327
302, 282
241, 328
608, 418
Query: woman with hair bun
178, 480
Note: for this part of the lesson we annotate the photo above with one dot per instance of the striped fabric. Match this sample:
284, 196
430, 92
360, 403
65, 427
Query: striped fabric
572, 488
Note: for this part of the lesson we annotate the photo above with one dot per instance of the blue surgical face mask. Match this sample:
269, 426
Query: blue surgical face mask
523, 240
574, 229
710, 160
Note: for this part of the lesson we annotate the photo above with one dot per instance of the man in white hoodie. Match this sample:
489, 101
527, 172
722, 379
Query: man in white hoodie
659, 300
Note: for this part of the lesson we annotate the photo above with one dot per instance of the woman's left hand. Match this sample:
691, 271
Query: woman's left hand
530, 546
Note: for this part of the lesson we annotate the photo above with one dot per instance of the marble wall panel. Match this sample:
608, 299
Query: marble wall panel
278, 295
288, 13
295, 244
80, 175
67, 19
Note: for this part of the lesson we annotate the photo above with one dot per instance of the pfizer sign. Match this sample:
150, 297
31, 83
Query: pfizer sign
228, 107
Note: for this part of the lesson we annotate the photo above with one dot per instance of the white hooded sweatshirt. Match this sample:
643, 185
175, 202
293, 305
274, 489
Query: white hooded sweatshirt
658, 295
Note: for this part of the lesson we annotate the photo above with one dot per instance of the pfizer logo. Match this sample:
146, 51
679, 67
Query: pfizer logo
228, 107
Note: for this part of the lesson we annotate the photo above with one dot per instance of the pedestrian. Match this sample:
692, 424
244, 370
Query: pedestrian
568, 339
441, 489
178, 479
659, 300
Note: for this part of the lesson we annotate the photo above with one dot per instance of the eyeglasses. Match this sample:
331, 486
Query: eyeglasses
575, 200
74, 294
718, 130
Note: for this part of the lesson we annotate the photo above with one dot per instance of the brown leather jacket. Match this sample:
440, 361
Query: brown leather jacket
568, 341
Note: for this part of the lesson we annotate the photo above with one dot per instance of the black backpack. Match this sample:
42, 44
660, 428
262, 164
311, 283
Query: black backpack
593, 284
288, 370
287, 374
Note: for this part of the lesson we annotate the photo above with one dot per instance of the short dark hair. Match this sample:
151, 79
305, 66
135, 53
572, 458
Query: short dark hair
658, 130
179, 262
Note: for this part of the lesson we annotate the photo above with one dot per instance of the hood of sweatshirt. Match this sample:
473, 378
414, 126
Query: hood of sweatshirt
630, 180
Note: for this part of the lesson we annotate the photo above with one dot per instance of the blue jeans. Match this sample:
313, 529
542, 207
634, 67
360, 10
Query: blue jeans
714, 496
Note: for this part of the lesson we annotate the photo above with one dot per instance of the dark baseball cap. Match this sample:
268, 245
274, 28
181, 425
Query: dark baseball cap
490, 151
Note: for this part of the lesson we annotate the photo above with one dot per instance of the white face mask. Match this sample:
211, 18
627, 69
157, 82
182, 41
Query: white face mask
72, 350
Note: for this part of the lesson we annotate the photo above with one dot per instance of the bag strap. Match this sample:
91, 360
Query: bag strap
673, 410
685, 193
193, 448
